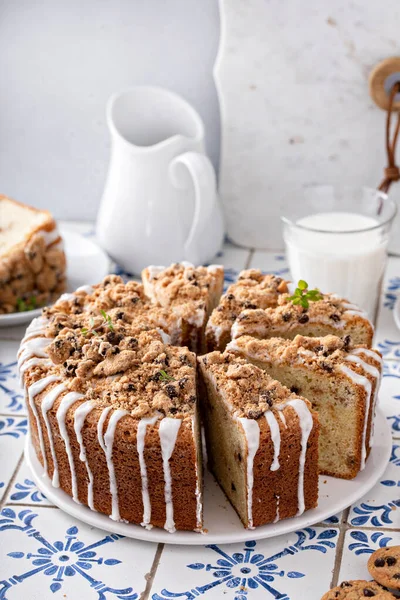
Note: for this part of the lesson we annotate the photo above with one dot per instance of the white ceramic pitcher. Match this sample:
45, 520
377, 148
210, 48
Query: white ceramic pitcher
159, 203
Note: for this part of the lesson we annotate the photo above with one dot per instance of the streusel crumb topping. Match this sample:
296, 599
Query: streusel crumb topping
252, 290
247, 387
106, 346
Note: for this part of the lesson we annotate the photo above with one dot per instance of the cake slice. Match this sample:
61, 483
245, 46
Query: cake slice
341, 380
113, 409
190, 293
330, 315
252, 290
262, 440
32, 260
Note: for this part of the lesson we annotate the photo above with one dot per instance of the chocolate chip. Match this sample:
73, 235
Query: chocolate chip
335, 317
326, 367
249, 305
303, 318
390, 561
114, 338
287, 316
131, 387
396, 576
120, 315
135, 300
346, 342
182, 382
254, 413
192, 399
368, 592
267, 397
171, 391
380, 562
58, 343
295, 389
230, 297
173, 410
345, 584
132, 342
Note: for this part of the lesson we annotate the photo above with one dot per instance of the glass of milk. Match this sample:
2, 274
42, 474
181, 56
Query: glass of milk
337, 240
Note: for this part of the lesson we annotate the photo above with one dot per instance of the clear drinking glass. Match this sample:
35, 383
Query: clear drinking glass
336, 240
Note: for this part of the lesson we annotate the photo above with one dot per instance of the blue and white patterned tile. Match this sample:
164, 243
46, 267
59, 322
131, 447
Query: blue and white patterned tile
284, 567
25, 491
271, 262
44, 551
389, 395
387, 336
12, 439
358, 545
11, 395
380, 507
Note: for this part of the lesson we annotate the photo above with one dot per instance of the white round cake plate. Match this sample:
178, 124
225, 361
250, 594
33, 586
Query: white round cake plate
220, 520
87, 264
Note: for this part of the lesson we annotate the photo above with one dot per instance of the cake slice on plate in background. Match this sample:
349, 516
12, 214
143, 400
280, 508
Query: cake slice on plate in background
32, 259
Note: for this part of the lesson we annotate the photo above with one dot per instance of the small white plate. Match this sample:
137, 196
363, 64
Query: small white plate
87, 264
221, 521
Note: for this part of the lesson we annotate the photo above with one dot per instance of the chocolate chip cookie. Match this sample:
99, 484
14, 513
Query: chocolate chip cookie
358, 590
384, 566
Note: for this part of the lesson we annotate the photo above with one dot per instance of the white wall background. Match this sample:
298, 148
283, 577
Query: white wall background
61, 60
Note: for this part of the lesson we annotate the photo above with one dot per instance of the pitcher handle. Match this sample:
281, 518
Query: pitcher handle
203, 178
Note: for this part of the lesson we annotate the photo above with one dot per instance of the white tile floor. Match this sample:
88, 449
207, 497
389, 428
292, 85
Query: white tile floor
45, 553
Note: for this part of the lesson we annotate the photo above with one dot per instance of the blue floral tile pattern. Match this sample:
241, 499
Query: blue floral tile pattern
268, 568
381, 506
57, 554
389, 395
12, 440
24, 490
358, 545
11, 394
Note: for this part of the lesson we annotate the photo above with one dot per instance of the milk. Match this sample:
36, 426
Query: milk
350, 264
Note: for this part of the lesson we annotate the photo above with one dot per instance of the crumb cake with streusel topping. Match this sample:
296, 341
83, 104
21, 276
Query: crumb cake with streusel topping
189, 293
330, 315
340, 380
262, 440
32, 259
113, 408
252, 290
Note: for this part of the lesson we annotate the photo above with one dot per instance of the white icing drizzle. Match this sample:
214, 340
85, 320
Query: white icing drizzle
85, 288
350, 306
164, 336
368, 352
218, 331
306, 425
154, 270
65, 404
199, 501
283, 418
214, 268
140, 441
366, 366
34, 347
32, 362
47, 404
168, 432
36, 327
65, 298
252, 432
366, 384
33, 390
107, 443
275, 438
50, 236
79, 419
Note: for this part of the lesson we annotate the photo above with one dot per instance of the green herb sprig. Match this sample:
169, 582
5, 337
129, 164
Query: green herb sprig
29, 304
163, 376
303, 296
94, 330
